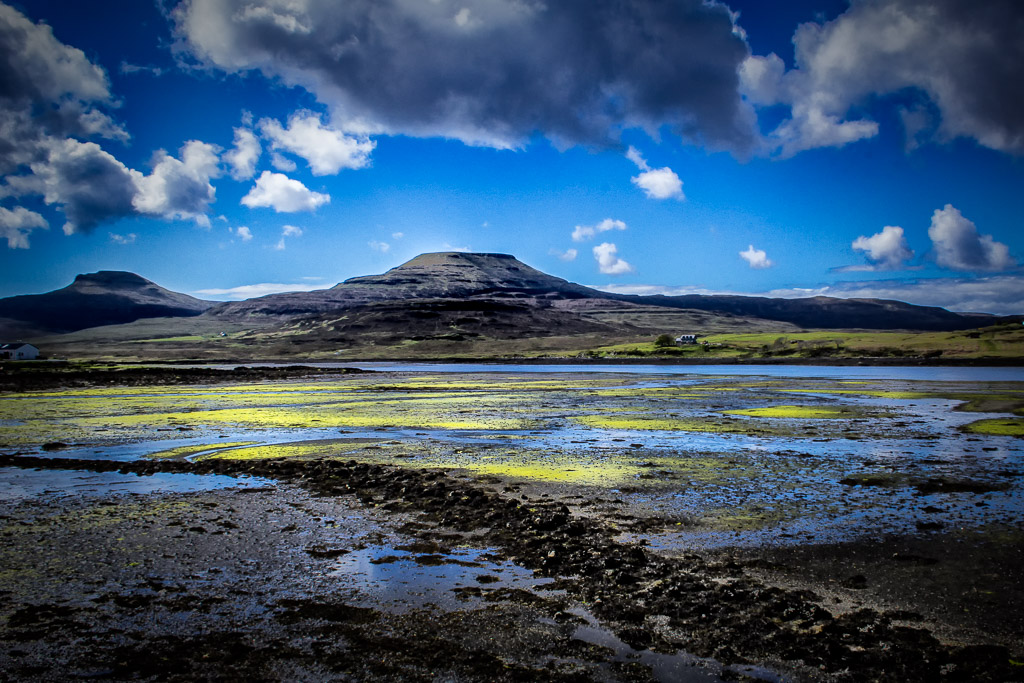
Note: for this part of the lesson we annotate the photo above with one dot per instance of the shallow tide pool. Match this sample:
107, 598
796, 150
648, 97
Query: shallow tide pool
741, 458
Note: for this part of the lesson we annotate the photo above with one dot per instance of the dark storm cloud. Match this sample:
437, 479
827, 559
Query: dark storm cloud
491, 72
966, 58
46, 88
93, 187
51, 99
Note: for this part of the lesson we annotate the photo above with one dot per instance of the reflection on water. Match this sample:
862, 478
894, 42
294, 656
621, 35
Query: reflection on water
398, 580
666, 439
18, 484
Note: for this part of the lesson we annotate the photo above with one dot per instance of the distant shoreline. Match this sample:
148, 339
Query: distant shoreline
571, 360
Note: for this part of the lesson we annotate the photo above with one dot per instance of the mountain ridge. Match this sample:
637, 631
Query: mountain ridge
464, 275
436, 293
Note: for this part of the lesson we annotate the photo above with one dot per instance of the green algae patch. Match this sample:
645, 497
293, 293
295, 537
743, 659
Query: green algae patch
996, 427
569, 469
312, 416
186, 451
604, 474
305, 449
802, 412
666, 424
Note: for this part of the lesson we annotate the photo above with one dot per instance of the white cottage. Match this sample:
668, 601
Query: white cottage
18, 351
685, 339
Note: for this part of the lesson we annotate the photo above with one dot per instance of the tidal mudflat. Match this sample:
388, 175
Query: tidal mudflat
638, 526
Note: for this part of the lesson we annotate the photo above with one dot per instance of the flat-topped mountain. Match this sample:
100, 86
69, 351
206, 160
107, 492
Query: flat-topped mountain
469, 276
453, 274
443, 275
105, 298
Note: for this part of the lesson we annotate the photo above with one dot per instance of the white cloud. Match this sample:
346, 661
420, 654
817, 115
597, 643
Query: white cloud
123, 239
242, 158
382, 247
179, 189
811, 127
567, 255
462, 18
287, 231
957, 245
326, 149
17, 224
585, 232
965, 60
887, 250
261, 289
660, 183
757, 258
283, 194
127, 68
657, 183
633, 154
397, 235
243, 233
282, 163
608, 262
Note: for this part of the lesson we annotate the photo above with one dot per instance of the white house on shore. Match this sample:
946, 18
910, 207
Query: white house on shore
18, 351
684, 339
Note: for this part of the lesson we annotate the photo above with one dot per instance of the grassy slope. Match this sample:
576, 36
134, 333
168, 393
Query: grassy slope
204, 339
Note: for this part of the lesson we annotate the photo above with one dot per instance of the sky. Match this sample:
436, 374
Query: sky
234, 148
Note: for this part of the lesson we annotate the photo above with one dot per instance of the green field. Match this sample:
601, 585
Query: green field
1002, 341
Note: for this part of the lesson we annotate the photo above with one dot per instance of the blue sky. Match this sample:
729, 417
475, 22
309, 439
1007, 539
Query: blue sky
226, 148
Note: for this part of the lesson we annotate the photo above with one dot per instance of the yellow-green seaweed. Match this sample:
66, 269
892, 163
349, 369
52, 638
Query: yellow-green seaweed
997, 427
805, 412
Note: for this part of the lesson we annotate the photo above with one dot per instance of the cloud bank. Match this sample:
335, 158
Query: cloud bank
956, 65
490, 72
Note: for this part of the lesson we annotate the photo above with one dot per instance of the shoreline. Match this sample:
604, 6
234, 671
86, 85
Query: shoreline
720, 605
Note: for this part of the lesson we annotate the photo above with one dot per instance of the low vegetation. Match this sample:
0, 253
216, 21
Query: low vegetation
996, 342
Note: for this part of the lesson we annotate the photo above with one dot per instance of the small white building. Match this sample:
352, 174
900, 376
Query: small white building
684, 339
18, 351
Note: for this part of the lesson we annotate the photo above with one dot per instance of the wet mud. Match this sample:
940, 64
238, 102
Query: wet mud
214, 566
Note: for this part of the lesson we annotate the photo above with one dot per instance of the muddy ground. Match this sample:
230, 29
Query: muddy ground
283, 582
489, 531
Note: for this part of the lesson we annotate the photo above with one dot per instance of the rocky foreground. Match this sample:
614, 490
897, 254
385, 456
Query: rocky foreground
207, 593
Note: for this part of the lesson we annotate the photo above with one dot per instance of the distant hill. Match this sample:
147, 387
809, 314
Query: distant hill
830, 312
105, 298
